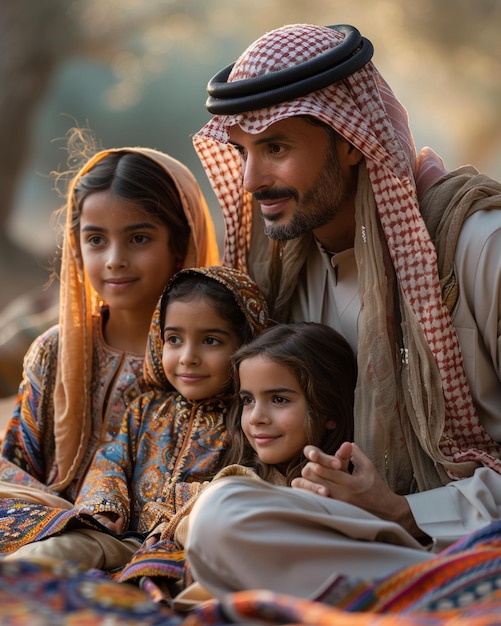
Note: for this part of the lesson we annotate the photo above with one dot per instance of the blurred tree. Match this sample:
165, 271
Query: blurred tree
459, 40
27, 60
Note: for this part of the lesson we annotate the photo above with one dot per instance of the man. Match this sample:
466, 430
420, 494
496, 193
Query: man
399, 256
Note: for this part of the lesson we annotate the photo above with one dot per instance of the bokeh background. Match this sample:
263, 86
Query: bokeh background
135, 72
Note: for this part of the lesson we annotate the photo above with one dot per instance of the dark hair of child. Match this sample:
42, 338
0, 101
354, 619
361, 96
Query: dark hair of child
325, 367
128, 175
135, 177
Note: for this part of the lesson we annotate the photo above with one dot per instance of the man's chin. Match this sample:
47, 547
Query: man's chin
279, 233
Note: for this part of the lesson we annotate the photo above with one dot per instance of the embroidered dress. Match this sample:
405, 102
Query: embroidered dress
117, 383
164, 440
66, 402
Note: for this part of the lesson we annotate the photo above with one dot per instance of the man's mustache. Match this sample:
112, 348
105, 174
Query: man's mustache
275, 194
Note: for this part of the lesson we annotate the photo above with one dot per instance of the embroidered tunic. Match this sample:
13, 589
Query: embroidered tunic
29, 442
164, 440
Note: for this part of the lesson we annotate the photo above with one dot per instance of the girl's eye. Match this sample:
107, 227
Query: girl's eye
172, 340
140, 239
95, 240
245, 400
212, 341
280, 400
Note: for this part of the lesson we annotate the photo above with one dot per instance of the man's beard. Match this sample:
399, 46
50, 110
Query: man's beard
317, 207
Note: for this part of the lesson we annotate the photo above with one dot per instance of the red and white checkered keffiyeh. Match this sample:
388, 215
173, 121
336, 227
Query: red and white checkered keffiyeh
363, 109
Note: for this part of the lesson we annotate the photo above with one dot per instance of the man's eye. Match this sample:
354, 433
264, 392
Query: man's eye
241, 151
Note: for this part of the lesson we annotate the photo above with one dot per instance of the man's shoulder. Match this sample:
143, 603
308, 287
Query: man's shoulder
453, 198
463, 185
481, 231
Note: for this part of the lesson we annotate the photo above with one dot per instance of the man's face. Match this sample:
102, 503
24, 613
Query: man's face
292, 171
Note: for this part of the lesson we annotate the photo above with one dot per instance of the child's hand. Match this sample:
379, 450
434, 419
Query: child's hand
151, 539
111, 520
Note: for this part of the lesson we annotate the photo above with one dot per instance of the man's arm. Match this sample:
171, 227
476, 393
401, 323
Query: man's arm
440, 515
448, 513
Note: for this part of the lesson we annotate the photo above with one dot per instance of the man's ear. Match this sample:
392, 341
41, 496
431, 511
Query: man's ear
347, 153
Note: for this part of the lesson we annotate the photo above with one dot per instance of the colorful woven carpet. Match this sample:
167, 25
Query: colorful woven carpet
461, 587
37, 594
22, 522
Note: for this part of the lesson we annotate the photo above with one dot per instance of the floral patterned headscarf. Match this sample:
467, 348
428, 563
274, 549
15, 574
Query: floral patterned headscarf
248, 297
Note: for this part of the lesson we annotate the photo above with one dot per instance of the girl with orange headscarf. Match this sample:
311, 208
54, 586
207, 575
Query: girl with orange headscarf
134, 216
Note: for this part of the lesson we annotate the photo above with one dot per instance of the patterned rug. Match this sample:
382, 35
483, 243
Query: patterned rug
50, 594
461, 587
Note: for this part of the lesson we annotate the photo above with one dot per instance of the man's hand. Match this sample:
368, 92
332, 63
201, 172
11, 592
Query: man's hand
324, 473
328, 476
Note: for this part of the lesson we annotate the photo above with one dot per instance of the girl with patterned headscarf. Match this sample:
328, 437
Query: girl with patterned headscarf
170, 437
80, 375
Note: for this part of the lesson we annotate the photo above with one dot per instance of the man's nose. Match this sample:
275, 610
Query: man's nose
255, 176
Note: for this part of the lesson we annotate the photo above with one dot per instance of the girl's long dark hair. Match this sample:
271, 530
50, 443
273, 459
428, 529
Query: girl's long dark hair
324, 365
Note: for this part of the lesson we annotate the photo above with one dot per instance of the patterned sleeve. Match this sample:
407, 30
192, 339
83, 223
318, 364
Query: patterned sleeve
107, 484
29, 438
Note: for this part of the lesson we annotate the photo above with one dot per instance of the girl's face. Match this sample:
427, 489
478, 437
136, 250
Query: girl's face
198, 345
125, 252
274, 410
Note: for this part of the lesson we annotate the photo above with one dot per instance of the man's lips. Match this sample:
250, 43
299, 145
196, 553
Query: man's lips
272, 202
273, 205
272, 209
